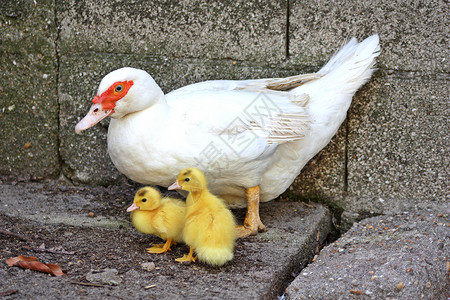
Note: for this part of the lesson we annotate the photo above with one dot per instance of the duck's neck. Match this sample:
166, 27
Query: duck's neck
195, 195
160, 108
158, 111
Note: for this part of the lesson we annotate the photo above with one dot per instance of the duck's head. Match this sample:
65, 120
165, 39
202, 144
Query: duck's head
121, 92
146, 198
190, 179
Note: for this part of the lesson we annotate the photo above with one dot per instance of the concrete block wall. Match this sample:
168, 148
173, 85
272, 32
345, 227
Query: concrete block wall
28, 99
389, 155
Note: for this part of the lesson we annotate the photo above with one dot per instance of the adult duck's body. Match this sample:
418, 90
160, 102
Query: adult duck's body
250, 137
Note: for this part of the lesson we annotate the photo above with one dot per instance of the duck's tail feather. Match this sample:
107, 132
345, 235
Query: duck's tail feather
353, 64
214, 256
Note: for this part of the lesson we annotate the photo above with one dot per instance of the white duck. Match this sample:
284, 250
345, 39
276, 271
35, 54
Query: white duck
250, 137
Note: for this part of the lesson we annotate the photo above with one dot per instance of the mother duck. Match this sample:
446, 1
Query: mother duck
250, 137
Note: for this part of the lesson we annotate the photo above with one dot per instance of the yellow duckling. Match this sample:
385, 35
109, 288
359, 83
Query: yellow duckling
162, 217
209, 228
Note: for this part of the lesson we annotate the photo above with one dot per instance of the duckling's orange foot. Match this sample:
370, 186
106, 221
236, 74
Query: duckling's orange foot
158, 248
187, 257
161, 248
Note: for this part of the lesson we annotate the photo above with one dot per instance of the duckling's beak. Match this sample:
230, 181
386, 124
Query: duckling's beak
175, 186
132, 207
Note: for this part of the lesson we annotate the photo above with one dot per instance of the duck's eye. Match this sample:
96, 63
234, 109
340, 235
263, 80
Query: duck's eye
187, 179
118, 88
144, 200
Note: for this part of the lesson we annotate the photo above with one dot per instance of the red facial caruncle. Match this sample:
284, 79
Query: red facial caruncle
103, 105
115, 92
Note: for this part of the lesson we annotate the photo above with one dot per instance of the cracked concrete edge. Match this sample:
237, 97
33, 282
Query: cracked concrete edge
401, 256
312, 242
79, 220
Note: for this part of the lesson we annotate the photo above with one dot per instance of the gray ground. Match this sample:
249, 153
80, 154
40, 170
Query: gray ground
396, 256
59, 216
401, 256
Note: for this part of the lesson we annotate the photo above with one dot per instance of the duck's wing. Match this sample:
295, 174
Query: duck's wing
276, 117
265, 85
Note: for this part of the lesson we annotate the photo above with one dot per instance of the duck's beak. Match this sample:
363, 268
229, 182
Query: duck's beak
133, 207
95, 115
175, 186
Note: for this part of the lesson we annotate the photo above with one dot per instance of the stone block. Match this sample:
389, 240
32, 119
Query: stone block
27, 26
403, 256
29, 103
414, 34
398, 144
241, 30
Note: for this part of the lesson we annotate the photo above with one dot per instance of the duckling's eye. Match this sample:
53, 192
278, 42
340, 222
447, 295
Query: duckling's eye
187, 179
118, 88
144, 200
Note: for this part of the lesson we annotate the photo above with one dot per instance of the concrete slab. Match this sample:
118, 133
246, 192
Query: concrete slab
262, 267
403, 256
413, 35
239, 30
398, 143
28, 102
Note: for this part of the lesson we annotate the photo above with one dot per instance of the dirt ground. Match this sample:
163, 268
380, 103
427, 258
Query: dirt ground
93, 226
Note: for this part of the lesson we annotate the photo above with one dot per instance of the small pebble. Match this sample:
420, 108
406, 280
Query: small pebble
148, 266
106, 276
400, 286
428, 285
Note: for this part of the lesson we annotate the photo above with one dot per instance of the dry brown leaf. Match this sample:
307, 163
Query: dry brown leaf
32, 263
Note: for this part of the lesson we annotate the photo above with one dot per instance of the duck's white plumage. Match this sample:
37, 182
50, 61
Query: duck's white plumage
240, 133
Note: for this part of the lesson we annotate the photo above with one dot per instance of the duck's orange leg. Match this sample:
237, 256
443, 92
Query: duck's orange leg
187, 257
161, 248
252, 222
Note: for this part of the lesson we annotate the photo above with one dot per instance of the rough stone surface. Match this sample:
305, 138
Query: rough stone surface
261, 269
403, 256
414, 35
28, 102
242, 30
106, 276
402, 121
